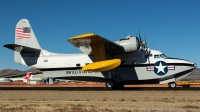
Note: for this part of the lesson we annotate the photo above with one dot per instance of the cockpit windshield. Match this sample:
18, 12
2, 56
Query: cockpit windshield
163, 56
160, 56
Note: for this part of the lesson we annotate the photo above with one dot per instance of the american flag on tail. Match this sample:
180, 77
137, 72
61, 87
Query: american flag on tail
169, 67
24, 32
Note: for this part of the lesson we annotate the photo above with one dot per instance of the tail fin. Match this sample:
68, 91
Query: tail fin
26, 47
28, 76
25, 36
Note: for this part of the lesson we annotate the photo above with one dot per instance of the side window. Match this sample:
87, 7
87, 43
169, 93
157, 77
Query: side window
156, 56
78, 64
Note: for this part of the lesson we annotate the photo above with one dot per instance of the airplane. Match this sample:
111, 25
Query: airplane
5, 80
126, 61
25, 78
29, 76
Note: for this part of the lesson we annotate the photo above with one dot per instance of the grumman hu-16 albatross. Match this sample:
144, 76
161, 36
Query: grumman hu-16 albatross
126, 61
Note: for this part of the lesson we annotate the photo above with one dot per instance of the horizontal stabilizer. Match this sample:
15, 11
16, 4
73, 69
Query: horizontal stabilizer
20, 48
102, 65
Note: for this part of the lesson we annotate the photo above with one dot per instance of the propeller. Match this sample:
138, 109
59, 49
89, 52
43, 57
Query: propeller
145, 49
139, 36
142, 43
145, 41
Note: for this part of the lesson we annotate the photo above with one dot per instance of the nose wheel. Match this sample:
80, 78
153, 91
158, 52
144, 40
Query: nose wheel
172, 85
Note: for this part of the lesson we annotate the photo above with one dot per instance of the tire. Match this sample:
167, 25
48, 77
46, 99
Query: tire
188, 86
184, 86
172, 85
110, 84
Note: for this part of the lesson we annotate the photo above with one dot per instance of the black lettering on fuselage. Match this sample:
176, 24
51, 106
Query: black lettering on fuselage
79, 72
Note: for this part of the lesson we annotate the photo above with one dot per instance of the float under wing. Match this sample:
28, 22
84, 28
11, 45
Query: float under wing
102, 65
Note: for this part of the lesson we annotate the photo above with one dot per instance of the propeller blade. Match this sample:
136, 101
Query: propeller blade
139, 36
145, 41
148, 60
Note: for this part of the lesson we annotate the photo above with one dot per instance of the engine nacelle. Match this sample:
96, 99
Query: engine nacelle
130, 44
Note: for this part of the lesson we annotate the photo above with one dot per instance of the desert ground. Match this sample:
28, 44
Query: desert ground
103, 101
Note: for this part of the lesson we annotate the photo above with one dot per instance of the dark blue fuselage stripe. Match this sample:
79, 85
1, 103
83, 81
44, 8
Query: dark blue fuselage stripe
128, 65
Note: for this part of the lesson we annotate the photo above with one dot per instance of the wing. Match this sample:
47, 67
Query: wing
97, 45
100, 47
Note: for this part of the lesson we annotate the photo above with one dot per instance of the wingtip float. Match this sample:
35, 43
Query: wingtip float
102, 65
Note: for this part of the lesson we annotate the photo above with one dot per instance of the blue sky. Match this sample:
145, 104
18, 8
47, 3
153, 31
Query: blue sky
171, 25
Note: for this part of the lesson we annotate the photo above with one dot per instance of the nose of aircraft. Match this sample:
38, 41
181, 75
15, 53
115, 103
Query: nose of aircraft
191, 64
195, 65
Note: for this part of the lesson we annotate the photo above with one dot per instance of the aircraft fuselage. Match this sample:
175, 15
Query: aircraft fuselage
152, 67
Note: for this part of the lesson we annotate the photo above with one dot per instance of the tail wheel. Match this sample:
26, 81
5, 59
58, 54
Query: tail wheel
110, 84
172, 85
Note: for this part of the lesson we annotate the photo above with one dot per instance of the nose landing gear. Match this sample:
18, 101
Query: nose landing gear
172, 85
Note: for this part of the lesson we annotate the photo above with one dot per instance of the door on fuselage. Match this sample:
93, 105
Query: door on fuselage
125, 72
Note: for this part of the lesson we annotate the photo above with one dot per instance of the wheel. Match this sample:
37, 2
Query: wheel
172, 85
110, 84
187, 86
184, 86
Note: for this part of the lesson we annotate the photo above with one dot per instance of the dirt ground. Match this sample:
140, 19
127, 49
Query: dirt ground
95, 101
79, 84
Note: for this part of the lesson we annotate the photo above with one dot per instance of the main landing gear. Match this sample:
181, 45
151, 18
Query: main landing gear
111, 84
183, 84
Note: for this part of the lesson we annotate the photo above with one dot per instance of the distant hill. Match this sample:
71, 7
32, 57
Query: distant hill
194, 76
16, 72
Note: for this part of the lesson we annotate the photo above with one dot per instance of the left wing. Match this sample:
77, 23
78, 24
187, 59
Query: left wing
100, 47
94, 44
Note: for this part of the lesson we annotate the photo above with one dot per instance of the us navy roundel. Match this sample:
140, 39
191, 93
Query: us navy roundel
160, 68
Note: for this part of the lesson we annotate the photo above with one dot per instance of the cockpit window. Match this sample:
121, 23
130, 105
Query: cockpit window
163, 56
160, 56
156, 56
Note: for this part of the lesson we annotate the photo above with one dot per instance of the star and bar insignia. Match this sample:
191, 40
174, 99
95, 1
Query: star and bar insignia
160, 68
